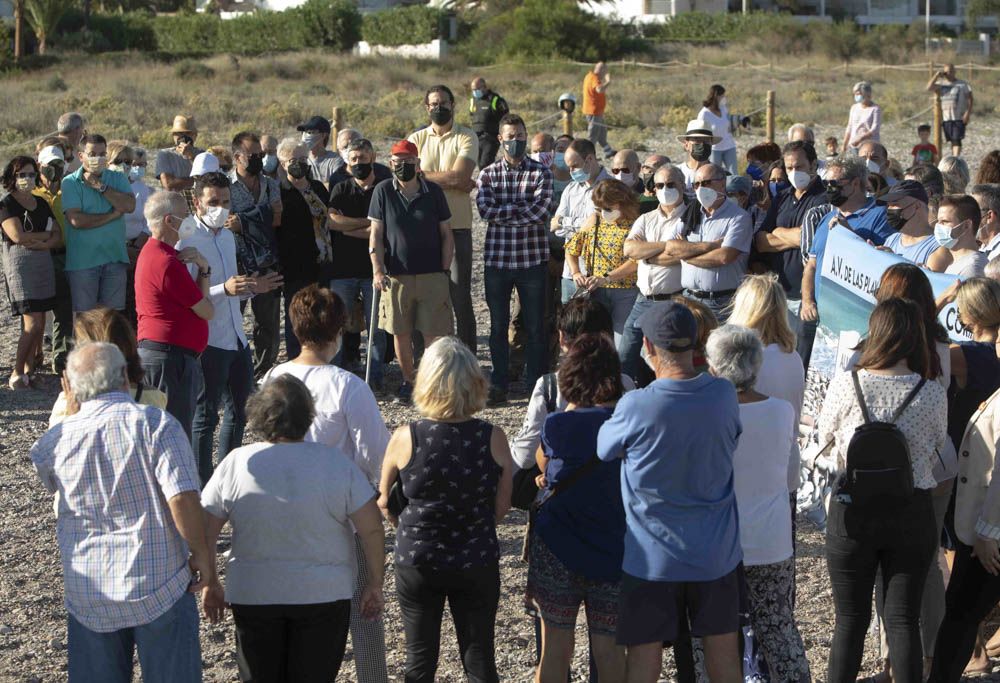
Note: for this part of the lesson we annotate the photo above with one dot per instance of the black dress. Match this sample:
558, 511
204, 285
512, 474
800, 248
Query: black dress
28, 273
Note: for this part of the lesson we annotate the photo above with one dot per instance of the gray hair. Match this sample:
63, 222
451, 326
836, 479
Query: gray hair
160, 205
992, 270
361, 145
735, 353
95, 368
287, 147
69, 122
988, 196
795, 127
956, 174
351, 133
283, 409
671, 173
864, 86
851, 167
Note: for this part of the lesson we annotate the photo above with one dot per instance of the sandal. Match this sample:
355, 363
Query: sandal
18, 382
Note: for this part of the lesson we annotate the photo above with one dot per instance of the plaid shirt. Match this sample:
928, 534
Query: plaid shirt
114, 466
515, 202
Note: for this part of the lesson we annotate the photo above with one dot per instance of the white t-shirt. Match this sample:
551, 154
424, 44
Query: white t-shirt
347, 414
289, 505
782, 376
970, 265
135, 222
719, 126
759, 465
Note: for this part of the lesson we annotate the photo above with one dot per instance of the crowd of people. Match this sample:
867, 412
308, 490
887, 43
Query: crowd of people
664, 316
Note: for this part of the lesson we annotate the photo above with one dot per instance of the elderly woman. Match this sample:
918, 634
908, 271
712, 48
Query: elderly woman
348, 419
290, 572
760, 467
30, 231
304, 246
955, 173
865, 120
455, 472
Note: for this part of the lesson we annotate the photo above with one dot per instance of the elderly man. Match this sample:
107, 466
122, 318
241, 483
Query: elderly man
95, 201
800, 132
647, 193
173, 309
448, 154
956, 105
913, 239
173, 164
988, 232
269, 144
486, 108
316, 136
73, 127
514, 198
697, 140
131, 528
411, 249
345, 139
595, 101
626, 167
876, 158
676, 440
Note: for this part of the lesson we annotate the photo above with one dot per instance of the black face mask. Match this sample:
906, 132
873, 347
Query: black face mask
255, 164
700, 151
894, 219
298, 168
647, 182
405, 172
52, 173
515, 149
835, 195
440, 115
361, 171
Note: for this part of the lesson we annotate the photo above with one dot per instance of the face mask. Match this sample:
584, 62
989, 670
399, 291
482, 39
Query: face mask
945, 236
706, 196
559, 159
723, 102
96, 165
215, 216
700, 151
311, 139
136, 173
440, 115
405, 172
544, 158
478, 94
579, 175
186, 230
360, 171
799, 179
836, 196
255, 164
755, 171
625, 177
298, 168
610, 216
270, 163
668, 196
776, 186
859, 98
872, 166
515, 149
124, 169
25, 184
981, 233
52, 173
894, 219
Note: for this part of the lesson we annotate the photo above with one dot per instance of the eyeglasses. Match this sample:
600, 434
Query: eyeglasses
834, 184
702, 183
616, 171
660, 186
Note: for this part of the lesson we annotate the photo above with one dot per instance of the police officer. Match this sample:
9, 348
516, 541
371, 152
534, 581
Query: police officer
486, 109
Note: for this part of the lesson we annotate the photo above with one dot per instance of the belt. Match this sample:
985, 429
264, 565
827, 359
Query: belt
700, 294
664, 297
167, 348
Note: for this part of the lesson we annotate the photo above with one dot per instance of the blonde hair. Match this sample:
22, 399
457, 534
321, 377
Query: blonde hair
118, 148
979, 302
760, 304
450, 384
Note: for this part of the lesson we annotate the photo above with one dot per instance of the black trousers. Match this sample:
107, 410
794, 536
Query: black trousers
489, 145
291, 643
266, 330
902, 544
972, 594
473, 596
62, 316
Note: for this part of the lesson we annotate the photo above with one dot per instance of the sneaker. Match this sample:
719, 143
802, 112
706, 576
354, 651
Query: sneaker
496, 397
405, 394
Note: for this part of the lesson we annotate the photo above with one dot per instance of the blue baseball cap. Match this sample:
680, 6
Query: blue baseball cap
669, 325
738, 183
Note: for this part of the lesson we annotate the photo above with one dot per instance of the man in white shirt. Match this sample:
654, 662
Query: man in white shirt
576, 205
988, 232
226, 363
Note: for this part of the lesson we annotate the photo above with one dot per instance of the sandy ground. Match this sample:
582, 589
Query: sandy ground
33, 619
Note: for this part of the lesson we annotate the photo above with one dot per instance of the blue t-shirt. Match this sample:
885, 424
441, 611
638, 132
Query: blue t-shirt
915, 253
583, 525
868, 223
677, 439
96, 246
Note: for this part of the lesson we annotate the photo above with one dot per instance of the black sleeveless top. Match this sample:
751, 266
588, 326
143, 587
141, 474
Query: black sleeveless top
451, 484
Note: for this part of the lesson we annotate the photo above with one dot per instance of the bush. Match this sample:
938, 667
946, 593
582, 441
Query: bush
187, 33
6, 40
189, 68
414, 25
702, 27
337, 22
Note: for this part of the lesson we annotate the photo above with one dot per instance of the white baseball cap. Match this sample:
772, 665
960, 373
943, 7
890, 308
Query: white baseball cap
50, 154
204, 163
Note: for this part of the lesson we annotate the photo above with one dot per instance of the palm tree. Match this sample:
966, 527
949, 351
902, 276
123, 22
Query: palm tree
44, 15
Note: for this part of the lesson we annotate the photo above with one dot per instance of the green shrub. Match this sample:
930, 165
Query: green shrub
189, 68
187, 33
703, 27
6, 40
336, 22
264, 32
414, 25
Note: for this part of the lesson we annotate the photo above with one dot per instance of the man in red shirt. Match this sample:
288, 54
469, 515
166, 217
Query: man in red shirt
173, 309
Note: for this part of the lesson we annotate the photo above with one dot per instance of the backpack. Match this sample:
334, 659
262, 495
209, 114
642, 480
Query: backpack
879, 471
525, 489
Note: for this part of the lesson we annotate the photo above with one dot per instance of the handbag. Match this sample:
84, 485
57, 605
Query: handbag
525, 490
397, 499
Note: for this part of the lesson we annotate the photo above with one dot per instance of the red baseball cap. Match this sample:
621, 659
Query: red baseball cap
405, 148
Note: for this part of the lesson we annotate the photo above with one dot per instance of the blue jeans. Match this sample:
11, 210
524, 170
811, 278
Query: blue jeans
619, 303
530, 284
719, 305
568, 289
348, 289
102, 285
229, 381
169, 650
726, 159
178, 375
630, 347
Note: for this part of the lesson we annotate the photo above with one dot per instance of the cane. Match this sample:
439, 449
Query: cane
372, 327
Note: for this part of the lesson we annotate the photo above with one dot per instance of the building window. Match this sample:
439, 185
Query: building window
657, 6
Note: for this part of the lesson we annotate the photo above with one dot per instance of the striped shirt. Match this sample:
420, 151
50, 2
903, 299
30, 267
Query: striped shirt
114, 466
515, 202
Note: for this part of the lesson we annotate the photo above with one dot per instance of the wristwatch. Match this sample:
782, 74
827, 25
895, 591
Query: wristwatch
371, 250
205, 273
103, 188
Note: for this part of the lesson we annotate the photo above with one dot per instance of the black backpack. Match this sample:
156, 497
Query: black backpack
879, 471
525, 489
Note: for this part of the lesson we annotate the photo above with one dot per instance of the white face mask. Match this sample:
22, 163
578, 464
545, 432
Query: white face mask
723, 102
136, 173
187, 230
215, 216
310, 139
610, 216
24, 184
625, 177
668, 196
873, 166
706, 196
799, 179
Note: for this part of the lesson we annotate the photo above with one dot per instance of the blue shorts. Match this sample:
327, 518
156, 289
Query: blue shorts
954, 131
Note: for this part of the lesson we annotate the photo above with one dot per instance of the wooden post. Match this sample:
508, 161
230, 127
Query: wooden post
970, 73
930, 69
18, 29
567, 122
770, 115
937, 120
338, 123
845, 67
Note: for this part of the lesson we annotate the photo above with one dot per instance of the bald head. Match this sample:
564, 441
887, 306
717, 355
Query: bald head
653, 162
478, 83
542, 142
269, 144
600, 68
626, 158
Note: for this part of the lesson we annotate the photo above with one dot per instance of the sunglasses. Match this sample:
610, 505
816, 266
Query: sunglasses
28, 176
660, 186
702, 183
616, 171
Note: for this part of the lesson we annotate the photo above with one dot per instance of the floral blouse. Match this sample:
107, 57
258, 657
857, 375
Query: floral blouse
610, 251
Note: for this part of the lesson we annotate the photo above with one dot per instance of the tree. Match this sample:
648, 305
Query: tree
975, 9
498, 6
44, 15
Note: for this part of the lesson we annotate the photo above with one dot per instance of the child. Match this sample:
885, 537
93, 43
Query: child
831, 147
925, 152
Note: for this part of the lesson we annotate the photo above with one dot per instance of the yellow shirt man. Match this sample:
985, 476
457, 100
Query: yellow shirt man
438, 154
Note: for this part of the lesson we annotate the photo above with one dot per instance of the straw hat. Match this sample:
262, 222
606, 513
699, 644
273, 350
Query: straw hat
184, 124
699, 131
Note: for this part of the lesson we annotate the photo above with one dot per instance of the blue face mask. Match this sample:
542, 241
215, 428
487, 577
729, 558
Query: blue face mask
859, 98
579, 175
755, 171
478, 94
559, 159
777, 186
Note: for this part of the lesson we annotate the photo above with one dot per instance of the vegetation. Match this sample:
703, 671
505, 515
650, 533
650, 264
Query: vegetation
412, 25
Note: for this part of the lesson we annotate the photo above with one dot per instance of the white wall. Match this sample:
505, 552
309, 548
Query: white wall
659, 10
436, 49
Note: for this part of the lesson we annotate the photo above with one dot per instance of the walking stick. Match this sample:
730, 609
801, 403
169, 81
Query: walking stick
372, 327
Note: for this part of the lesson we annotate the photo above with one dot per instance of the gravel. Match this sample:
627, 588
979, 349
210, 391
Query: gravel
33, 618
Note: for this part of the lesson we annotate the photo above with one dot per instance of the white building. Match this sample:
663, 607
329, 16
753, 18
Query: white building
648, 11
